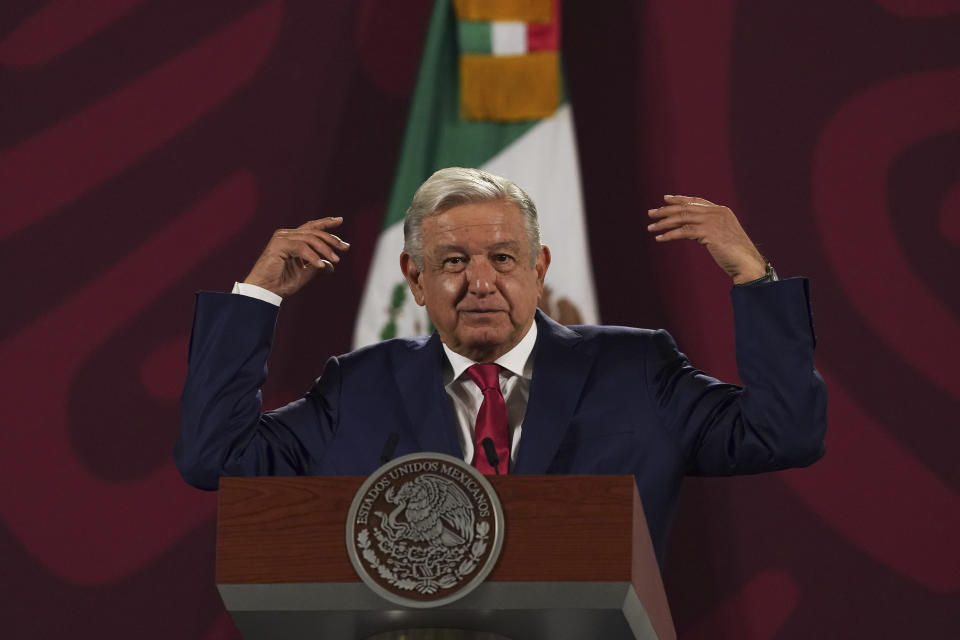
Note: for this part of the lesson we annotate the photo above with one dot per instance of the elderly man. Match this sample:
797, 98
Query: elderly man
499, 383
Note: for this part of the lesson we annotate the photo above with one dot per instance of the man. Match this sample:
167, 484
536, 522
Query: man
557, 400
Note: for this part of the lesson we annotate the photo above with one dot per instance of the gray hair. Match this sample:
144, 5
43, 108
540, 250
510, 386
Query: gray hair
455, 186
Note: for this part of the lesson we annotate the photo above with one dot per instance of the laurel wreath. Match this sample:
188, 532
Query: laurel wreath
426, 585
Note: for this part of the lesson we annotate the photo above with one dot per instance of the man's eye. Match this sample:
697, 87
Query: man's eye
503, 257
454, 264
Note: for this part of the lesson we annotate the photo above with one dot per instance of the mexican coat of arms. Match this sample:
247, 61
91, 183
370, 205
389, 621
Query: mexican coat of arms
424, 530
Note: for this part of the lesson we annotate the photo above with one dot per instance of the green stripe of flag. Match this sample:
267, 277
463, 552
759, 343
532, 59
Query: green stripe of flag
475, 37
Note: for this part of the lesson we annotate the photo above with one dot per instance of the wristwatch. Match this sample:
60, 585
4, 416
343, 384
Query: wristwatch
769, 276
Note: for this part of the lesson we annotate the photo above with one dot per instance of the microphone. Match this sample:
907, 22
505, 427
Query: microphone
491, 452
389, 447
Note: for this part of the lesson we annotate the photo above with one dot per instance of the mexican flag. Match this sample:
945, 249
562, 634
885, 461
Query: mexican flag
489, 95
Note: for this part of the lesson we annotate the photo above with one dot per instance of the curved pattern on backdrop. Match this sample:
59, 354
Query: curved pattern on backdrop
151, 148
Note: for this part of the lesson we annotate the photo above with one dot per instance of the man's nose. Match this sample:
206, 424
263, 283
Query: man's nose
481, 277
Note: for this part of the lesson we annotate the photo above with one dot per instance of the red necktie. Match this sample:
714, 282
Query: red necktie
491, 421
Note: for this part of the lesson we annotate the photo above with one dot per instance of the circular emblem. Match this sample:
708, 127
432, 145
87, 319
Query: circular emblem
424, 530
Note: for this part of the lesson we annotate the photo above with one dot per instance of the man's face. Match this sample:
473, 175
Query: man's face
477, 283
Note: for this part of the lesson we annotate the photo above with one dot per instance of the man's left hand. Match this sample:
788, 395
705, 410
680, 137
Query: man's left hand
714, 226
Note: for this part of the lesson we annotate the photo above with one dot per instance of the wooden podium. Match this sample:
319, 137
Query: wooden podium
576, 563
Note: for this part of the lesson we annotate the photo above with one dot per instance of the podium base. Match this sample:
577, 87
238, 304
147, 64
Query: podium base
528, 610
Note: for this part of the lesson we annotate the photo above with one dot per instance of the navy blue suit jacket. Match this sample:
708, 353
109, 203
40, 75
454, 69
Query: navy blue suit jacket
610, 400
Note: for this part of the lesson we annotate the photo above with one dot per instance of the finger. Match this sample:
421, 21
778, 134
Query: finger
666, 210
320, 265
333, 240
685, 232
318, 243
322, 249
328, 238
323, 223
674, 209
676, 199
305, 256
677, 215
326, 267
675, 221
296, 251
290, 238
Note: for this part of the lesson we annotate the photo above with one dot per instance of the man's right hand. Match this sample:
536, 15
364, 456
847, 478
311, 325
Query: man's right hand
294, 256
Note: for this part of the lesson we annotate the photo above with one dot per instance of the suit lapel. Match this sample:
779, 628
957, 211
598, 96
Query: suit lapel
419, 378
559, 373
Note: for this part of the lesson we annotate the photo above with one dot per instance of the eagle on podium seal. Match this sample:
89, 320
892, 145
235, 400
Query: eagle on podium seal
424, 530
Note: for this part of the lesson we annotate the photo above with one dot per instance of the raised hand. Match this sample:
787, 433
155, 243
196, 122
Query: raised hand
294, 256
715, 227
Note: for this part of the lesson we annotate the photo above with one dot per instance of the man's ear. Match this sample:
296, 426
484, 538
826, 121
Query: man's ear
543, 263
413, 277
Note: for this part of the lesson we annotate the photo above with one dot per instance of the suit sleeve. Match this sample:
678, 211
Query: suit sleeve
222, 431
777, 419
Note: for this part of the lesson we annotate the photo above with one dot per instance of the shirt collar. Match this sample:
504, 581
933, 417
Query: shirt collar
517, 361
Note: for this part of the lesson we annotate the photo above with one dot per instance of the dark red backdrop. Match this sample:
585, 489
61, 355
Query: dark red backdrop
147, 149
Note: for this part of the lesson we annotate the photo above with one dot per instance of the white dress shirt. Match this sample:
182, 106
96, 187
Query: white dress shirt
253, 291
515, 375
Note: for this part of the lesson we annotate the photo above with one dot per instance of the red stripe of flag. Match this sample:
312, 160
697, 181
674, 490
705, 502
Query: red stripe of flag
545, 36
